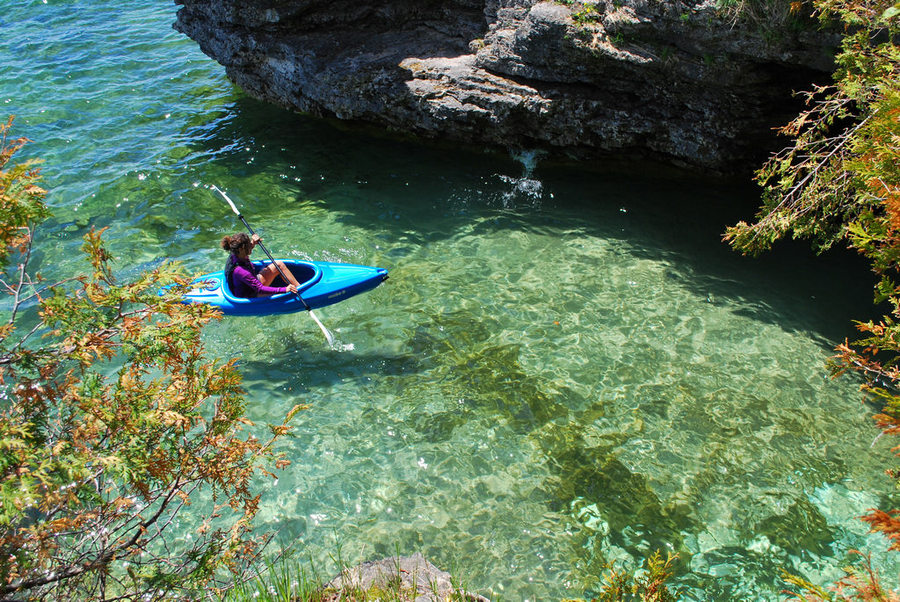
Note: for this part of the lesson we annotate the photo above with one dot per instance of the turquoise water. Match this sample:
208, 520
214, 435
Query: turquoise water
567, 368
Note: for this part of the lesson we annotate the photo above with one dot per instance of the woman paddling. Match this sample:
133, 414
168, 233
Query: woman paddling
245, 279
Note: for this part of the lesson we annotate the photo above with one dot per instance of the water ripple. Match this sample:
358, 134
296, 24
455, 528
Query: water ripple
565, 369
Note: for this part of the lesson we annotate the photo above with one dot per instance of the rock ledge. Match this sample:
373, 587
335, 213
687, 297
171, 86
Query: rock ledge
671, 79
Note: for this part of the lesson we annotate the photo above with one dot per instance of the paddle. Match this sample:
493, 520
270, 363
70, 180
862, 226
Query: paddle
324, 330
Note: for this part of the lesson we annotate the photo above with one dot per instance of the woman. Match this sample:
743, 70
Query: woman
245, 279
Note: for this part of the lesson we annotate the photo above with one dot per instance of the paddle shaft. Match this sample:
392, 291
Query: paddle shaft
275, 263
265, 250
328, 336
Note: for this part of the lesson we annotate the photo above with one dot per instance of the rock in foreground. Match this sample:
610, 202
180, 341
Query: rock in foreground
404, 578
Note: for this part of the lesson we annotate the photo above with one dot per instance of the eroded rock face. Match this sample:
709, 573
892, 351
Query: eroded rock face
674, 80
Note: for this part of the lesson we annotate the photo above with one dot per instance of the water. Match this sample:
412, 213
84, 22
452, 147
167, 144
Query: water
566, 368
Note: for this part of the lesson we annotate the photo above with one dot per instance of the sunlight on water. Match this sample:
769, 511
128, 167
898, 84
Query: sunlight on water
566, 368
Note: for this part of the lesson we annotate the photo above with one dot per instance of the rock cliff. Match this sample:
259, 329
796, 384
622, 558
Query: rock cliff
681, 80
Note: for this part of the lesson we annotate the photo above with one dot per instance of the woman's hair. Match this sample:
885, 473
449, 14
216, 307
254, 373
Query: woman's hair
235, 242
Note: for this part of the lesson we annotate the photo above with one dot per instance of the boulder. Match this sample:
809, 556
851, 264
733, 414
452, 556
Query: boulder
407, 578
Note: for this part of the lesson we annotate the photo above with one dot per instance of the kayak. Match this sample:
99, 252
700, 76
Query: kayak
321, 283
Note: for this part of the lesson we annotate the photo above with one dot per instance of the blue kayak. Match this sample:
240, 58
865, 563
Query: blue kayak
321, 283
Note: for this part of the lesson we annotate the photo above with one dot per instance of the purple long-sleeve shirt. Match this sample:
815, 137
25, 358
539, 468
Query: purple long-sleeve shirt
244, 282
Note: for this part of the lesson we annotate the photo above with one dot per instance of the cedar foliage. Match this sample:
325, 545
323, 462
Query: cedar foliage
111, 417
838, 181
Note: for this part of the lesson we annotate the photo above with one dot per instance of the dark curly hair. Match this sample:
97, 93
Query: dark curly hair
236, 242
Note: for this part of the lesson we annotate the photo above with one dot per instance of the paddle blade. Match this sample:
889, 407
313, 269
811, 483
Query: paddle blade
325, 331
230, 203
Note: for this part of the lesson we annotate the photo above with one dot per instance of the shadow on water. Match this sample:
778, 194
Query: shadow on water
306, 370
419, 193
466, 359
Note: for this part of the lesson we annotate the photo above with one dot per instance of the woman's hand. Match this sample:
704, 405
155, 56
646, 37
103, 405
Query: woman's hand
291, 288
255, 239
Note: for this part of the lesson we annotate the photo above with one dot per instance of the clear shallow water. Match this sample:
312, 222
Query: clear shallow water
566, 367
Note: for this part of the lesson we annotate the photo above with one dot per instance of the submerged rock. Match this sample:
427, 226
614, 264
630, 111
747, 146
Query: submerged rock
679, 80
410, 578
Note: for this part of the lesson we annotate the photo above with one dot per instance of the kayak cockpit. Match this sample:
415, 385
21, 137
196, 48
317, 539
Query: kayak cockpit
307, 274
